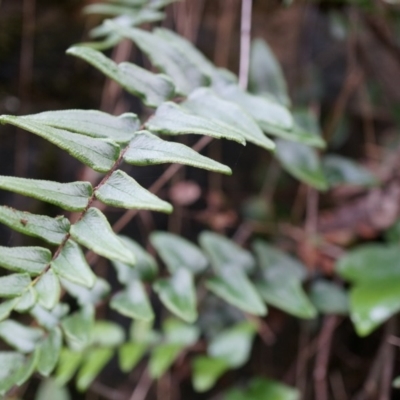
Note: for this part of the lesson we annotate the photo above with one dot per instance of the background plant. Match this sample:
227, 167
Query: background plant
191, 95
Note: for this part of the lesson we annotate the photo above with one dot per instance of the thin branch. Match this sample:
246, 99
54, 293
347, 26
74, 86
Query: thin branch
245, 43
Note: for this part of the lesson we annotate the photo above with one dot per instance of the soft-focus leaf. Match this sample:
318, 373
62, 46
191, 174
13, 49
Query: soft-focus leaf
49, 319
14, 284
107, 334
10, 363
187, 49
167, 57
173, 119
287, 294
6, 307
111, 9
99, 154
27, 300
88, 296
145, 266
153, 89
52, 230
92, 123
67, 366
178, 252
178, 294
22, 338
374, 270
370, 263
329, 298
234, 287
302, 162
264, 389
72, 265
121, 190
148, 149
91, 367
49, 390
27, 370
340, 170
31, 260
162, 357
265, 74
265, 111
70, 196
177, 332
49, 352
48, 289
94, 232
78, 328
206, 372
233, 345
224, 253
133, 302
205, 103
130, 354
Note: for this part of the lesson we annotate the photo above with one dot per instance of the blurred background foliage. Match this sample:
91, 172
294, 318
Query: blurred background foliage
341, 64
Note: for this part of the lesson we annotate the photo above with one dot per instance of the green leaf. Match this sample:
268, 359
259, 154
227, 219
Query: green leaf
91, 123
370, 263
162, 357
48, 290
177, 332
111, 9
72, 265
265, 111
68, 364
20, 337
121, 190
145, 266
178, 294
234, 287
396, 382
287, 294
69, 196
27, 301
329, 298
167, 57
88, 296
152, 89
133, 302
49, 319
302, 162
265, 74
277, 264
233, 345
52, 230
224, 253
340, 170
94, 232
10, 363
6, 307
78, 329
14, 285
107, 334
173, 119
178, 252
48, 389
264, 389
206, 372
99, 154
205, 103
91, 367
280, 280
148, 149
187, 49
27, 370
32, 260
130, 354
49, 352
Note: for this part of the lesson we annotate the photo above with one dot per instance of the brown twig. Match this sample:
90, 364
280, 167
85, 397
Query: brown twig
143, 387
